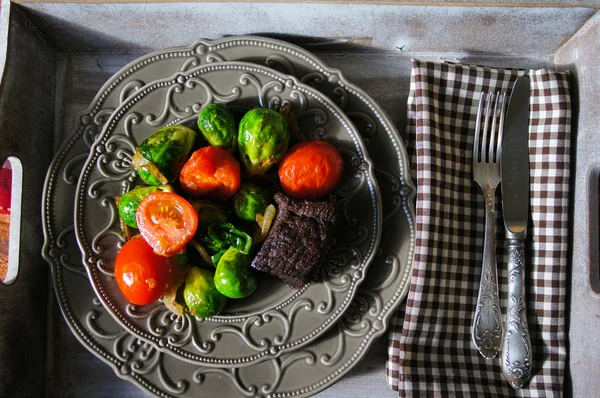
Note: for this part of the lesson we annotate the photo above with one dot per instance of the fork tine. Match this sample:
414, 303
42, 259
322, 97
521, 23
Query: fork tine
501, 127
477, 129
486, 123
493, 131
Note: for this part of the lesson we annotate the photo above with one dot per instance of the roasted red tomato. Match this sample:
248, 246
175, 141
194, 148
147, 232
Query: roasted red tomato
311, 170
167, 222
211, 172
142, 275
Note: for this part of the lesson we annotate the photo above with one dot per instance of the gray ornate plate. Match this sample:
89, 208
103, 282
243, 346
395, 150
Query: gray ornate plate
276, 319
304, 372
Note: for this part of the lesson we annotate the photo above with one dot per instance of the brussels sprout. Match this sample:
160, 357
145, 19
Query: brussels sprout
263, 138
182, 260
231, 236
129, 202
210, 212
161, 156
212, 245
233, 277
217, 125
217, 256
201, 295
221, 236
250, 201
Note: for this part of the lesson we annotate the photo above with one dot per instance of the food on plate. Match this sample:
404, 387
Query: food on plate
201, 295
221, 236
171, 296
159, 157
311, 170
233, 277
264, 223
217, 256
142, 275
210, 173
210, 212
128, 203
171, 302
167, 222
283, 236
218, 126
250, 201
298, 241
290, 116
263, 139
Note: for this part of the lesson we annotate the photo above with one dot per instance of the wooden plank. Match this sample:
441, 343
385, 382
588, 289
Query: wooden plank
580, 55
317, 27
454, 3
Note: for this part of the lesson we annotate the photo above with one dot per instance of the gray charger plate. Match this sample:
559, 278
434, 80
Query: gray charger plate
299, 373
276, 319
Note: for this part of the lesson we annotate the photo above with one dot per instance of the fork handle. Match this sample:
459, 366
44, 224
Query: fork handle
516, 349
487, 323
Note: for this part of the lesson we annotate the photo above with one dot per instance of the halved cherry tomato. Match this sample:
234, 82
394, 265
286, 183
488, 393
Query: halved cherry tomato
211, 172
311, 170
167, 222
142, 275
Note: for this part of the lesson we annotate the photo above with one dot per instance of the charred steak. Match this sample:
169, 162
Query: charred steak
298, 241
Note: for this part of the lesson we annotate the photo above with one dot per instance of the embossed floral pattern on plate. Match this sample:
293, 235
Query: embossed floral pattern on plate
280, 319
318, 364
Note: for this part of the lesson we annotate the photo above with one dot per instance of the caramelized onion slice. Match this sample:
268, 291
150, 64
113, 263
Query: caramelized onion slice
125, 229
203, 253
170, 296
264, 223
139, 161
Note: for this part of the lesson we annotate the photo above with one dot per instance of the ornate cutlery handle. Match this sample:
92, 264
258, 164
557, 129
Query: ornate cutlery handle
487, 323
516, 350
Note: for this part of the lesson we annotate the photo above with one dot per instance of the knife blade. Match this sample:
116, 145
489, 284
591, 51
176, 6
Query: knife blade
514, 174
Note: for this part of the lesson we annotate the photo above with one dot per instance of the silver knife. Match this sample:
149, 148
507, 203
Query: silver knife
514, 168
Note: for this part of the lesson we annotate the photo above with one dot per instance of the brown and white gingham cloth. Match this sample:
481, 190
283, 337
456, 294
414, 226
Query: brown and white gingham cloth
430, 348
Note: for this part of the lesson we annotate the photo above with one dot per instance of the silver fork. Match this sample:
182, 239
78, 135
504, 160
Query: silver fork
487, 323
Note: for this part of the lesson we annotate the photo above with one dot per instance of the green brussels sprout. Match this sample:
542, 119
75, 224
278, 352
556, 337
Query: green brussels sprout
161, 156
264, 136
212, 245
218, 126
210, 212
201, 295
182, 260
221, 236
129, 202
217, 256
233, 278
249, 201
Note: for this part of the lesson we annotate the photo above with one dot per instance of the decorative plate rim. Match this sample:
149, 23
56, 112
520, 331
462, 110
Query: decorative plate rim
51, 252
163, 343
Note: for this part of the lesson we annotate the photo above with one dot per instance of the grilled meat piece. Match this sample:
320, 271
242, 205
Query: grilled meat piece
298, 241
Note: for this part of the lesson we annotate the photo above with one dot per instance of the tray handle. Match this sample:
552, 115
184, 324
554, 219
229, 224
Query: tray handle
14, 220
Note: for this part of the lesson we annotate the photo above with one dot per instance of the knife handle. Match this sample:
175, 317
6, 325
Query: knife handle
487, 323
516, 348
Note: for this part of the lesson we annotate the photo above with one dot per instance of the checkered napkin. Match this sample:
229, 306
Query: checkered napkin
430, 350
